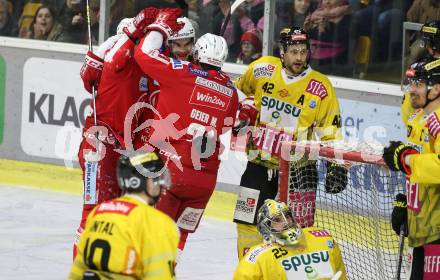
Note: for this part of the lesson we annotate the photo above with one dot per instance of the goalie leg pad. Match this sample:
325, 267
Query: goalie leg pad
256, 187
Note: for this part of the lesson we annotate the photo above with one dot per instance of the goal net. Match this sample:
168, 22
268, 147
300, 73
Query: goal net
359, 216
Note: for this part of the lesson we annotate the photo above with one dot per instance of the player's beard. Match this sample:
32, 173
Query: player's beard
184, 56
295, 68
416, 101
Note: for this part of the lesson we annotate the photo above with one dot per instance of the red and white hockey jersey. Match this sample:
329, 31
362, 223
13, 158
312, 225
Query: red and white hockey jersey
122, 84
195, 106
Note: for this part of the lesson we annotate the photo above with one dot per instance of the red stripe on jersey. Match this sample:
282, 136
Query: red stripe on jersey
319, 233
433, 124
115, 207
317, 88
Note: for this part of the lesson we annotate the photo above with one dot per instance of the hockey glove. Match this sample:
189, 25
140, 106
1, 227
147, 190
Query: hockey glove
138, 26
91, 71
247, 115
336, 178
166, 22
399, 216
394, 156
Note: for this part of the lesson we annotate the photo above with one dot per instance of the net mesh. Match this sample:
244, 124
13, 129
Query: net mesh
358, 217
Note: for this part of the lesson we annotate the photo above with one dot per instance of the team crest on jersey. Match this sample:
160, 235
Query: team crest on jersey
264, 70
330, 244
317, 88
312, 104
143, 84
176, 64
427, 136
283, 93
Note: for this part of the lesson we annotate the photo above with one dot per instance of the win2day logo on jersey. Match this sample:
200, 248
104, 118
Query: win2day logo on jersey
210, 94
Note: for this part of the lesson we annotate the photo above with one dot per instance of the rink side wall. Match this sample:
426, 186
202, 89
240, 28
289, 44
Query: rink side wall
43, 106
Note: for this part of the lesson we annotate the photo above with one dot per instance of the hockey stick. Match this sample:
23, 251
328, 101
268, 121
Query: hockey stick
91, 167
330, 152
400, 254
232, 9
89, 28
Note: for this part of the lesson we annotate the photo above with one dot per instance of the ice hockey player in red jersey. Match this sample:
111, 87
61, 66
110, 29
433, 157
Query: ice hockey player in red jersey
120, 85
197, 103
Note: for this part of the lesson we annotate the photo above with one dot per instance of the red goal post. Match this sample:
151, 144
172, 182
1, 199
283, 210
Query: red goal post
359, 216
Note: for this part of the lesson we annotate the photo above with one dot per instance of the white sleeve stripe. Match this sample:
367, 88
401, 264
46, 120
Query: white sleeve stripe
153, 41
116, 47
107, 45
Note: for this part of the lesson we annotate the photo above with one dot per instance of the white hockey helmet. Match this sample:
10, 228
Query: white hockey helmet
188, 30
211, 49
123, 23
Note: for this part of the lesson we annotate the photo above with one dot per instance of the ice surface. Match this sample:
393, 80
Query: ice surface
37, 229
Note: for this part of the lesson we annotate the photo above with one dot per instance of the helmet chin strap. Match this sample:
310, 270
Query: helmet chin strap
427, 97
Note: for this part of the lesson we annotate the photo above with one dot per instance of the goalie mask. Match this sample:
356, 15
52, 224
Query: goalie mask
275, 223
142, 172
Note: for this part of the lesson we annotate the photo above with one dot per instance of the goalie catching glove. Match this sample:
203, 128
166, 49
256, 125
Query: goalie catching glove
336, 178
399, 216
394, 156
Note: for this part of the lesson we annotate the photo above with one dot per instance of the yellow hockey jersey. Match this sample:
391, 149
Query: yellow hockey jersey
317, 256
425, 168
125, 238
406, 108
423, 200
289, 108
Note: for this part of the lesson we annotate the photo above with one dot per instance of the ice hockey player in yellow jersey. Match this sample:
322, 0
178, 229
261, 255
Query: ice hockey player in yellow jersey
287, 100
422, 212
430, 35
126, 238
290, 252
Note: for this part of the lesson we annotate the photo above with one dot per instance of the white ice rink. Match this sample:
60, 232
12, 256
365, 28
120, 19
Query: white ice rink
37, 228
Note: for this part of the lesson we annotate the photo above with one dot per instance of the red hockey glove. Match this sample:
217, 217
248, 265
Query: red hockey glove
91, 71
137, 27
166, 22
247, 115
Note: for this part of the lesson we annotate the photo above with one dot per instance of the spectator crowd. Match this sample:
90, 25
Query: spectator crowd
334, 26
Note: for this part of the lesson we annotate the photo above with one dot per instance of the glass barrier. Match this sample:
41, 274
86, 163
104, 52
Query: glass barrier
355, 38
